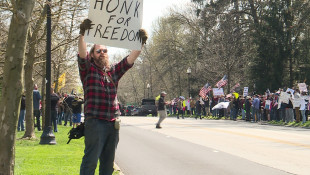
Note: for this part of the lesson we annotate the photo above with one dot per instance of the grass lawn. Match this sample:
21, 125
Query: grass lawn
35, 159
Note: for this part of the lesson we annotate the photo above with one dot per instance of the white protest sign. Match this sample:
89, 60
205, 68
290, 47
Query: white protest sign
290, 90
116, 23
284, 97
218, 92
296, 102
305, 97
245, 91
302, 87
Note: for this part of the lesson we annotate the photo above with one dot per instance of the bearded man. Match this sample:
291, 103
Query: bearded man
100, 81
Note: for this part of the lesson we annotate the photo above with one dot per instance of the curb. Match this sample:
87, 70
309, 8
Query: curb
117, 169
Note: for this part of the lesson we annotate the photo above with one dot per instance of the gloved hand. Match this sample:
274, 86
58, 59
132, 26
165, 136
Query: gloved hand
85, 25
143, 36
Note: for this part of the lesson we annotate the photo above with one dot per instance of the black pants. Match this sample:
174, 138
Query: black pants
37, 113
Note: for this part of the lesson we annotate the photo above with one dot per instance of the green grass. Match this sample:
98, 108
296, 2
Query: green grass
31, 158
292, 124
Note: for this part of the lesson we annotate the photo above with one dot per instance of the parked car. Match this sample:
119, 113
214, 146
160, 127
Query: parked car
135, 111
148, 107
128, 110
122, 109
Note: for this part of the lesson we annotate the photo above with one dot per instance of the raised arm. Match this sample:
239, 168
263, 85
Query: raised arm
85, 25
134, 54
82, 47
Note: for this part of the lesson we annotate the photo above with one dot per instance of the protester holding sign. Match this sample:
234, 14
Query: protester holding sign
100, 81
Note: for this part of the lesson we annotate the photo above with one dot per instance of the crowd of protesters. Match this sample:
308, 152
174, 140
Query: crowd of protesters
254, 108
65, 108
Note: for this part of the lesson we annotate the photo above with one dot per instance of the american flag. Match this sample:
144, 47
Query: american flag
222, 82
237, 85
204, 90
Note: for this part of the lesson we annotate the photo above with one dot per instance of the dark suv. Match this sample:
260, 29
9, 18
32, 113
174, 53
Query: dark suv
148, 107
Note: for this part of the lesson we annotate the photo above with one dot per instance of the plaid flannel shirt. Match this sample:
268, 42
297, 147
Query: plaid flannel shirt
100, 95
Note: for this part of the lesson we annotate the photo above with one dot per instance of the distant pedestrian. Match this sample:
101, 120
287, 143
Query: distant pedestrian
21, 126
255, 104
54, 104
161, 109
67, 102
198, 109
76, 110
247, 107
180, 108
60, 113
36, 106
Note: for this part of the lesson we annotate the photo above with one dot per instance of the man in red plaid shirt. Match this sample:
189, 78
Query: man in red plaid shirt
100, 81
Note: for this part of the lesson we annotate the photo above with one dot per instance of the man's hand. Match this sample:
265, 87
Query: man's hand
85, 25
143, 36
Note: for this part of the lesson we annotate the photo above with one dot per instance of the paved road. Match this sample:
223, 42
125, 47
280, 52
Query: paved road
187, 147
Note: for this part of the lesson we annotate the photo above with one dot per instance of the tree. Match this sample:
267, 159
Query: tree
11, 93
279, 30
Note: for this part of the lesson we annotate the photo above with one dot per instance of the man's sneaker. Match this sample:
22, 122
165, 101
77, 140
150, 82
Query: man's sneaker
158, 127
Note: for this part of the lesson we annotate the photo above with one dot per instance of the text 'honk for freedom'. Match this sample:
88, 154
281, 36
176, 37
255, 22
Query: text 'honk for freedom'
116, 23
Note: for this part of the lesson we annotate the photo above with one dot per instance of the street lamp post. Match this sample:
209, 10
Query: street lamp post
148, 90
47, 136
189, 71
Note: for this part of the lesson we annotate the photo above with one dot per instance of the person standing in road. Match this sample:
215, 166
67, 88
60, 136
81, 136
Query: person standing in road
36, 105
101, 109
161, 109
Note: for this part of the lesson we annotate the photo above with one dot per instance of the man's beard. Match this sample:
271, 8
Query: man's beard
101, 62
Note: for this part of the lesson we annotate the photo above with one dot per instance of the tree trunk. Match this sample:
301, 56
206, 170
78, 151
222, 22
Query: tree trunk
11, 94
32, 40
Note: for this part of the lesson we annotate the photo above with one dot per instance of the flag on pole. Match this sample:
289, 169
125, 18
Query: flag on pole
222, 82
237, 85
62, 81
204, 90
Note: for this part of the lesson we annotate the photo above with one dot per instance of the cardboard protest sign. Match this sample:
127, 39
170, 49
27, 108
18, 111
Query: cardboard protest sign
218, 91
302, 87
245, 91
116, 23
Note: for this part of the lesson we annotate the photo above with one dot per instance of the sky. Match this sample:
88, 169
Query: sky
152, 10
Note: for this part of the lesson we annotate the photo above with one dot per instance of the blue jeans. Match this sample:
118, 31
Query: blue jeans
21, 126
234, 113
243, 114
101, 139
256, 111
60, 115
68, 115
303, 115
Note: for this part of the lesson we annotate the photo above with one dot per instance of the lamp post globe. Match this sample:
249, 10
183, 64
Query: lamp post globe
189, 71
148, 90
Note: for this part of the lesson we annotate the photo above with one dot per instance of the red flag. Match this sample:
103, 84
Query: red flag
222, 82
204, 90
